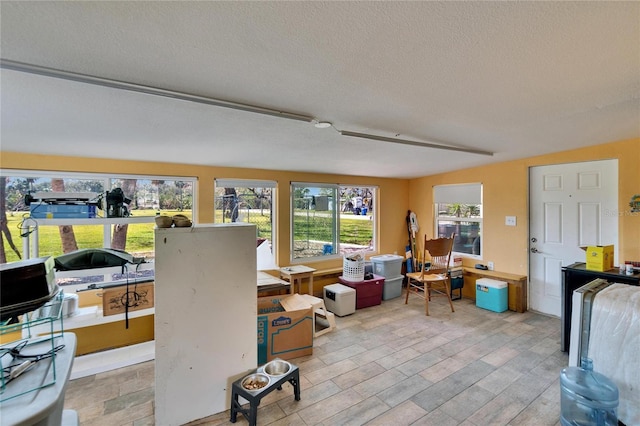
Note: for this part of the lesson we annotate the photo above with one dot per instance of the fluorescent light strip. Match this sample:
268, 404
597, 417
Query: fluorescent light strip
149, 90
156, 91
413, 143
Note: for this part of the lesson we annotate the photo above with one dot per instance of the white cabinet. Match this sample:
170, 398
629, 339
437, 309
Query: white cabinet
205, 318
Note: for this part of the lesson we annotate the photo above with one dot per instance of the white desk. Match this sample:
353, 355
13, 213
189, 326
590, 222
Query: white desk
40, 407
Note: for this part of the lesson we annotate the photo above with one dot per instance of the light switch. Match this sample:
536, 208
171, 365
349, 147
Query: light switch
510, 220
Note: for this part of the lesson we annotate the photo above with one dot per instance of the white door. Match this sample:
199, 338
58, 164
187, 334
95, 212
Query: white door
570, 206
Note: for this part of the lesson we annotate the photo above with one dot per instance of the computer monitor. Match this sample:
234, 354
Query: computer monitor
26, 285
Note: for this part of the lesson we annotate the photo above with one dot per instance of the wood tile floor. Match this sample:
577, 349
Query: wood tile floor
385, 365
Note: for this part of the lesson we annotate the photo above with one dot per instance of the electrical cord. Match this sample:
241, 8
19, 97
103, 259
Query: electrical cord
27, 225
130, 299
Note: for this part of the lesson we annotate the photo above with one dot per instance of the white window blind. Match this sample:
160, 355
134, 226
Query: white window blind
245, 183
315, 185
467, 193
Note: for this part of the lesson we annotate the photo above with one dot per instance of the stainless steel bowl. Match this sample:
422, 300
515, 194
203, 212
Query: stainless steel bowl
255, 382
277, 367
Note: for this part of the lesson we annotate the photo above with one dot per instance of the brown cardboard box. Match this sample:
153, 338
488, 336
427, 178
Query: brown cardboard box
140, 297
285, 327
599, 258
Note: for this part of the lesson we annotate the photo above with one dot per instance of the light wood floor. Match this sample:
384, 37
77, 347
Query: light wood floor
385, 365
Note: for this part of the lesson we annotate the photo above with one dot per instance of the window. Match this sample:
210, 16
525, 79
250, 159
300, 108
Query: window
145, 196
458, 209
252, 202
331, 220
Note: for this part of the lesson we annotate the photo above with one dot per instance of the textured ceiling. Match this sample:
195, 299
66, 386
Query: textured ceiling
514, 78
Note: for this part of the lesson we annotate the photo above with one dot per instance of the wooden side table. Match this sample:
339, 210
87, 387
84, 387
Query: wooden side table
295, 274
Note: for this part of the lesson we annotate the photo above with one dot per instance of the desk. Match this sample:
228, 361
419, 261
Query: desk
577, 275
268, 282
41, 407
295, 275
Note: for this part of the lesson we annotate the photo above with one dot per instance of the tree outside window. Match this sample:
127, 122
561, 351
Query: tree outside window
250, 202
149, 196
328, 220
465, 220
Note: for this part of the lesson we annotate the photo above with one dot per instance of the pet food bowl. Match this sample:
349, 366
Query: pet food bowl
255, 382
277, 367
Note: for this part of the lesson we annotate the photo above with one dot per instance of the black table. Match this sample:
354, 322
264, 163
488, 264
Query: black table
575, 276
251, 413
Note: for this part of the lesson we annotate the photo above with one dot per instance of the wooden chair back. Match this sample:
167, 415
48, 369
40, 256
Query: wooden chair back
440, 251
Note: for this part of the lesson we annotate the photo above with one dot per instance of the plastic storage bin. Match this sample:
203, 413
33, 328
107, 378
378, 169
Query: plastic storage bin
587, 397
492, 295
340, 299
368, 292
387, 265
392, 288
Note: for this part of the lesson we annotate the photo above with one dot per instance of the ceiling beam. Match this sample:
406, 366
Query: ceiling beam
414, 143
149, 90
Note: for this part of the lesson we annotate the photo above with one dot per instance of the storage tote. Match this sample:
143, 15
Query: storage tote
387, 265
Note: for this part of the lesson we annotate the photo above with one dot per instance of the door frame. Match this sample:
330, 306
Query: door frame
529, 212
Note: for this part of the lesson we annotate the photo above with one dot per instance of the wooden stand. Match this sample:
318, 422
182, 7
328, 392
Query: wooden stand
517, 286
295, 275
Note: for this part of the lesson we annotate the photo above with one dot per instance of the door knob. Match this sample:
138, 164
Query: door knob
534, 250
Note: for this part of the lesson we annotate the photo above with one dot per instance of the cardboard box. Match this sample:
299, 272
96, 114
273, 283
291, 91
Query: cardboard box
285, 327
140, 296
599, 258
455, 261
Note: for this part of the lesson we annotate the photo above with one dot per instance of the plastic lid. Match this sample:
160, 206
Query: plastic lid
599, 390
386, 257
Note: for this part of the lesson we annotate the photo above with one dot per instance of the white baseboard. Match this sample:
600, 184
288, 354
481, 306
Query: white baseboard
100, 362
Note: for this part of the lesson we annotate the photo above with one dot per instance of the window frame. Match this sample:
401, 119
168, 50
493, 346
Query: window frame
105, 222
253, 183
465, 194
335, 213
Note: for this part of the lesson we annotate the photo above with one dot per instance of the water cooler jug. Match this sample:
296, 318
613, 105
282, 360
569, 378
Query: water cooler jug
587, 397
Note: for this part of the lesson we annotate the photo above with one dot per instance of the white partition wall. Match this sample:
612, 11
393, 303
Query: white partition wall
205, 318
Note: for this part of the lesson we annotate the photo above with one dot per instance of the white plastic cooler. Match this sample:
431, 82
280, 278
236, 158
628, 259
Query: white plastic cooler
340, 299
492, 295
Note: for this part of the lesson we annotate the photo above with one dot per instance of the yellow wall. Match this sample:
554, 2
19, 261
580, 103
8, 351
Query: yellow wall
505, 189
391, 212
505, 193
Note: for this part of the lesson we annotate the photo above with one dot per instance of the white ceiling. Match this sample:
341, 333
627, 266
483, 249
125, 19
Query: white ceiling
514, 78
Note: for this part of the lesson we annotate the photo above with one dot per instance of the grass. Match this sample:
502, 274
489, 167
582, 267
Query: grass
140, 236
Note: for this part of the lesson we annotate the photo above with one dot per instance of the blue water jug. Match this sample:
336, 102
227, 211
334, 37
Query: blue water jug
587, 397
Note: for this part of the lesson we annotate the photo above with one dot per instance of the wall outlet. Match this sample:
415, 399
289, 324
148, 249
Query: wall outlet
490, 266
510, 220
